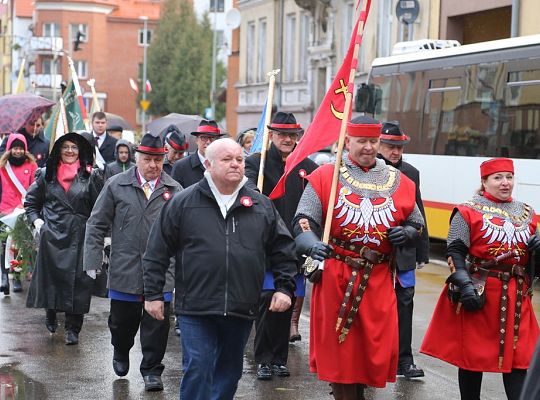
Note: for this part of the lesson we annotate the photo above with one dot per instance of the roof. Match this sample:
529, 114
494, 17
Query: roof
133, 9
24, 8
460, 50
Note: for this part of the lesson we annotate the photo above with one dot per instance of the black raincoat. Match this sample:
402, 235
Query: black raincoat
59, 281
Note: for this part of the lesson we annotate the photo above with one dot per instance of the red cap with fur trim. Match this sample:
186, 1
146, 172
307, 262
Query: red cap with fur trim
495, 165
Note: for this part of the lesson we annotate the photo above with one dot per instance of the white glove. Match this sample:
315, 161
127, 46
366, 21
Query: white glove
91, 273
420, 265
38, 223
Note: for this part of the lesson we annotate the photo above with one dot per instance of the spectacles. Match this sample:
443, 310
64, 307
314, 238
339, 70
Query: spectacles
74, 149
283, 135
207, 138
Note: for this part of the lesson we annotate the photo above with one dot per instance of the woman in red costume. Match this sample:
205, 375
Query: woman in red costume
487, 323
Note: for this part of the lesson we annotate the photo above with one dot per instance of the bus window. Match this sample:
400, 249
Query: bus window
439, 135
521, 133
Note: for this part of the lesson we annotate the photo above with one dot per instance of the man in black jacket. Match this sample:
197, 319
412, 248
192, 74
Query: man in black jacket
104, 142
274, 330
191, 169
222, 234
407, 258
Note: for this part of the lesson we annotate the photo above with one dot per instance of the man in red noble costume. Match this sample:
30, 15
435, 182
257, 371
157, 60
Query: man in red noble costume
354, 324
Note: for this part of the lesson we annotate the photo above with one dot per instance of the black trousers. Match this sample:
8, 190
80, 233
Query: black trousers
124, 320
272, 332
405, 305
470, 383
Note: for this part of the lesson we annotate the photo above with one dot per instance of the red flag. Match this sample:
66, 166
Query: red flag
324, 129
148, 87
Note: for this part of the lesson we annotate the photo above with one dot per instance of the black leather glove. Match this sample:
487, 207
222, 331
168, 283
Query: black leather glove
309, 244
320, 251
469, 297
399, 235
533, 243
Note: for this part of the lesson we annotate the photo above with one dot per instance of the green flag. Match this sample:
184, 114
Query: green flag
74, 117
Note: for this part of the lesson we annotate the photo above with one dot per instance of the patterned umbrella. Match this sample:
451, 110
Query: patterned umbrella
17, 109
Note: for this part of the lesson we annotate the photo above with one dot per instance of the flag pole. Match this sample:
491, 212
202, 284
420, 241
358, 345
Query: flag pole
75, 80
267, 116
344, 120
19, 87
95, 103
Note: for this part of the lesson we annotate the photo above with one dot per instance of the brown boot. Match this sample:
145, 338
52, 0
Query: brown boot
342, 391
295, 317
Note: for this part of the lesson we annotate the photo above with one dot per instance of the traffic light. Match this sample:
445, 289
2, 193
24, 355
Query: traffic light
77, 42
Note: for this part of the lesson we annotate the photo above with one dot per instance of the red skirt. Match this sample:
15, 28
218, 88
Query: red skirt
470, 340
369, 354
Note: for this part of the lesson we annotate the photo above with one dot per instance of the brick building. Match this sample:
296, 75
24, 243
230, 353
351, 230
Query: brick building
110, 50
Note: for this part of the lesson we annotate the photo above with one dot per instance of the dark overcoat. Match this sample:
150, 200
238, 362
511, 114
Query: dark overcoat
123, 209
188, 171
108, 148
407, 257
273, 170
58, 281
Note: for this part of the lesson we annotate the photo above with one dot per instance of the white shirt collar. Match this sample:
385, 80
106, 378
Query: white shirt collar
202, 158
152, 183
101, 138
224, 201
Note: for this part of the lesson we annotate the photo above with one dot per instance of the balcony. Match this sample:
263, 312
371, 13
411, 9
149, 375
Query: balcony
46, 80
46, 45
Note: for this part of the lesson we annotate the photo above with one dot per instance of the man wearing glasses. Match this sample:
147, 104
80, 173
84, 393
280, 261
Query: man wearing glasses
276, 329
191, 169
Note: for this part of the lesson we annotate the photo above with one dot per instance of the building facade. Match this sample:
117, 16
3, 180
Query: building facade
105, 40
307, 41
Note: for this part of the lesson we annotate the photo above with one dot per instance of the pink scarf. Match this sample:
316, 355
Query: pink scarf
66, 173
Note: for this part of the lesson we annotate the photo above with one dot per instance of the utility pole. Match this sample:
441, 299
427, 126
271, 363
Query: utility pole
214, 51
145, 45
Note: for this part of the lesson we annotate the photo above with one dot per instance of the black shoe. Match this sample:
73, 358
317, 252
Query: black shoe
50, 321
280, 370
72, 338
264, 373
17, 285
410, 371
4, 287
120, 364
152, 383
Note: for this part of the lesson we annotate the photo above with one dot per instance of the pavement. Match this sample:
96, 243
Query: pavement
37, 365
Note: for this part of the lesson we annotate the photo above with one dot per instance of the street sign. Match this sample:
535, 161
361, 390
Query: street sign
144, 104
407, 10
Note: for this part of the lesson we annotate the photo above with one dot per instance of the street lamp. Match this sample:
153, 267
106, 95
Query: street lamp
145, 45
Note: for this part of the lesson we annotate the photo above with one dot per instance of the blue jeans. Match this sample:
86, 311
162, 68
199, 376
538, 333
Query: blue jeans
212, 356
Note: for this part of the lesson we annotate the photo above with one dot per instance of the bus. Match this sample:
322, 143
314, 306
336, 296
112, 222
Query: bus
461, 106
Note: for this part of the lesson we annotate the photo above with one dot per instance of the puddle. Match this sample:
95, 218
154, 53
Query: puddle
14, 385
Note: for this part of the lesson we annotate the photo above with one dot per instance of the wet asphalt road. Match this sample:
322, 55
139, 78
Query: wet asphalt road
37, 365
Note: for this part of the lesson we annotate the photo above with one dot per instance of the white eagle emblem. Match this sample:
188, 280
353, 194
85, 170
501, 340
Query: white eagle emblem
507, 233
366, 215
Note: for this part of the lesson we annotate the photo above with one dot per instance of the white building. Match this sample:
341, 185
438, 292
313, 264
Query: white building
217, 20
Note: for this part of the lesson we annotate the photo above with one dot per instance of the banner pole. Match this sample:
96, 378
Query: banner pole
267, 117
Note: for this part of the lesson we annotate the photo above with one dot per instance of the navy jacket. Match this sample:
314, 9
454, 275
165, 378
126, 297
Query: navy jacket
188, 171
